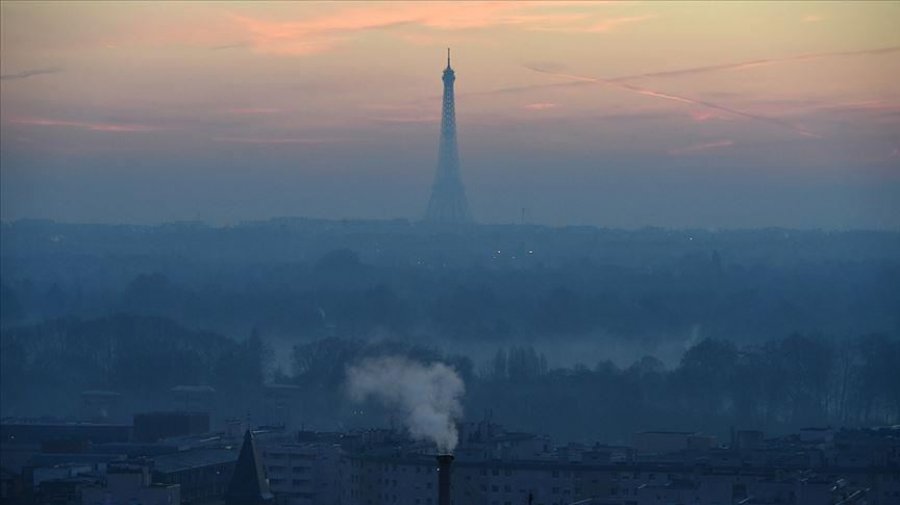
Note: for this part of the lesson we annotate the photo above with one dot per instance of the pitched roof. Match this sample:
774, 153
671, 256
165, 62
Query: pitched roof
248, 485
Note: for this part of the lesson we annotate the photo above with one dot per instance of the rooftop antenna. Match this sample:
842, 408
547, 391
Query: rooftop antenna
448, 57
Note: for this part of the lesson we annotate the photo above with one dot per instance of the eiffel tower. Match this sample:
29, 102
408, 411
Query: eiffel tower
448, 202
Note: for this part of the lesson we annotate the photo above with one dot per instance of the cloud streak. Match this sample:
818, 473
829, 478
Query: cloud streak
612, 23
690, 70
754, 63
680, 99
269, 140
570, 24
84, 125
539, 106
25, 74
252, 111
322, 33
701, 147
425, 119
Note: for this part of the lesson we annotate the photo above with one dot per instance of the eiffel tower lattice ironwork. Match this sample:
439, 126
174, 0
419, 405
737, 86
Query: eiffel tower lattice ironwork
448, 202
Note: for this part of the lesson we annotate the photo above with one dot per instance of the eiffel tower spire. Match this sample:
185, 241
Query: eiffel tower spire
448, 202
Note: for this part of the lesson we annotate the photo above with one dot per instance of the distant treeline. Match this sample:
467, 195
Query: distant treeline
338, 294
44, 368
779, 385
117, 307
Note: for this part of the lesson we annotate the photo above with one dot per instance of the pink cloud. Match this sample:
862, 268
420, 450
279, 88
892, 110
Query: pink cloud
269, 140
612, 23
701, 116
317, 34
97, 127
876, 105
252, 111
409, 119
701, 147
539, 106
811, 18
583, 24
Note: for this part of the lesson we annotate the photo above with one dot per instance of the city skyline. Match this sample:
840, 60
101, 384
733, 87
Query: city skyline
620, 114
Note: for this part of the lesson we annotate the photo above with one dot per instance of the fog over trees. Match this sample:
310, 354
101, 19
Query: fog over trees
581, 333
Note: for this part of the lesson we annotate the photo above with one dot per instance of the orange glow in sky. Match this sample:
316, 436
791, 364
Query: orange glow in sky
809, 87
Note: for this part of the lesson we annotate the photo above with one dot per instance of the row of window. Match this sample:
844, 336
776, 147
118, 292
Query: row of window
294, 482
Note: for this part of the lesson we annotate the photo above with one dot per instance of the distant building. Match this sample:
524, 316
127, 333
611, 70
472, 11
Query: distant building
816, 434
24, 431
747, 439
303, 471
130, 483
100, 406
664, 442
279, 402
203, 474
191, 398
685, 491
63, 491
12, 486
154, 426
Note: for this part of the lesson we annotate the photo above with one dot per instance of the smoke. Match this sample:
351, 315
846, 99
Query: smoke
428, 396
755, 63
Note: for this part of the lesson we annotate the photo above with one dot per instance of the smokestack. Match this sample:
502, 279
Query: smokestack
445, 461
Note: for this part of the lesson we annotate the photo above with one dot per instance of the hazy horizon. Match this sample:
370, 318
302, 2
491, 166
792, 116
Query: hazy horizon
619, 114
420, 222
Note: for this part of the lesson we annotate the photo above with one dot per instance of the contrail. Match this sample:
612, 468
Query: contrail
753, 63
25, 74
700, 70
616, 83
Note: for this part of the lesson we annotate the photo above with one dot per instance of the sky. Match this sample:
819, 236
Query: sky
615, 114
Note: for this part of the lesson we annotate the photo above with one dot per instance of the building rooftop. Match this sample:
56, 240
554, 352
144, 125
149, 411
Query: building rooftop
248, 484
185, 460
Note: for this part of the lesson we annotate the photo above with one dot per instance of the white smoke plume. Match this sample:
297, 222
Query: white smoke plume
427, 396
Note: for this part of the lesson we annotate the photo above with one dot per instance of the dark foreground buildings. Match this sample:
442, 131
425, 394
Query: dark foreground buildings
492, 466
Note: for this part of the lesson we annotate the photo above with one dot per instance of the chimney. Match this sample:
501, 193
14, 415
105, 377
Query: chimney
445, 461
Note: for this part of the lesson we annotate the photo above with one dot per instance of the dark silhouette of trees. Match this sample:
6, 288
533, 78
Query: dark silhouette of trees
46, 366
779, 385
336, 291
11, 310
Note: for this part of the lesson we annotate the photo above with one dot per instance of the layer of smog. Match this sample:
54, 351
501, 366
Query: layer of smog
302, 253
526, 316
